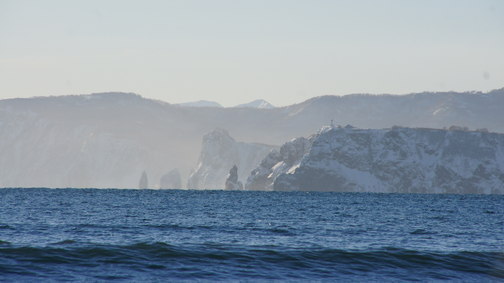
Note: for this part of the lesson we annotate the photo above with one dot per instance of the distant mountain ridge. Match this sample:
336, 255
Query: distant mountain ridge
200, 103
108, 139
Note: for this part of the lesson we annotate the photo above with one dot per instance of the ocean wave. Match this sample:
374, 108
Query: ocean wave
215, 261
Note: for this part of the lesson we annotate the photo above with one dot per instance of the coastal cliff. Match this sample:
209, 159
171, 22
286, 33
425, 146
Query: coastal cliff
400, 160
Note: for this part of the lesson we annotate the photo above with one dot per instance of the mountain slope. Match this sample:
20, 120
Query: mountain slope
109, 139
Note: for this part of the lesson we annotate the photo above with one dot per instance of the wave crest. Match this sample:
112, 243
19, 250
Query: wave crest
271, 262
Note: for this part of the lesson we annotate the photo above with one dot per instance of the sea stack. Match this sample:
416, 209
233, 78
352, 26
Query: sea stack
232, 182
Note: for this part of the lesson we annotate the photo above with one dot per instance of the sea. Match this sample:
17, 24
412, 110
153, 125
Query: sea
103, 235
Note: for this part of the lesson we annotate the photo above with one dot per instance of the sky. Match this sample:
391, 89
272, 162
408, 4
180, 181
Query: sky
235, 51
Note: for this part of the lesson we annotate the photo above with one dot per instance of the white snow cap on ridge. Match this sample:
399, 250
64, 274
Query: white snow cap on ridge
259, 103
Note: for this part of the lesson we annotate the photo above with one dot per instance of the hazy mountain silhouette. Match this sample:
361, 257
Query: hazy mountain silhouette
201, 103
109, 139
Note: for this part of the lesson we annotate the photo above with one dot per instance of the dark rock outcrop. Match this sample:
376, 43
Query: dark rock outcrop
232, 182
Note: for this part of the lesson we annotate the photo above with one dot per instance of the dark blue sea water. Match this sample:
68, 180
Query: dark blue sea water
147, 235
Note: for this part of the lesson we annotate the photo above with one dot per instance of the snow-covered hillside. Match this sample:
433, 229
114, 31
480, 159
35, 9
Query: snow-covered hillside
109, 139
402, 160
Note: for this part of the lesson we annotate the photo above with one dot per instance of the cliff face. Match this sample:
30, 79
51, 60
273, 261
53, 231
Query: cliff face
219, 153
402, 160
106, 140
276, 163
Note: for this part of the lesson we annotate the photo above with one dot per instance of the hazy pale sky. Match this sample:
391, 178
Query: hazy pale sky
234, 51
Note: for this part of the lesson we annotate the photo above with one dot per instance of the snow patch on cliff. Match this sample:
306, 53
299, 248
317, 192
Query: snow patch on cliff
401, 160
